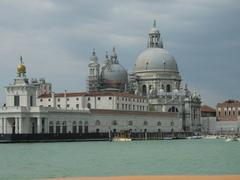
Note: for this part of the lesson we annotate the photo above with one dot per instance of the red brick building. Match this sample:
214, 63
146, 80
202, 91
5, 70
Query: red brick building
228, 110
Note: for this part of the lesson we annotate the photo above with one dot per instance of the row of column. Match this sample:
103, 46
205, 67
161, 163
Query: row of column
17, 126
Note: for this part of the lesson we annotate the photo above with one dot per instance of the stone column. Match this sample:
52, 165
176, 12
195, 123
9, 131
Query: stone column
46, 126
20, 125
4, 126
16, 125
38, 125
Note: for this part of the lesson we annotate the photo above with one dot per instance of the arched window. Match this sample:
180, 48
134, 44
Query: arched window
144, 90
51, 127
159, 123
58, 127
89, 105
173, 109
80, 127
130, 123
97, 123
168, 88
74, 127
114, 122
64, 127
145, 123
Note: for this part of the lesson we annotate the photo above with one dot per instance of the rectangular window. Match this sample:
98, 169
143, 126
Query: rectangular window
16, 101
68, 105
117, 106
77, 106
238, 112
58, 106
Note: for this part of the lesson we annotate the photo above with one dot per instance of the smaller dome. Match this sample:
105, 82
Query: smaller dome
21, 68
114, 76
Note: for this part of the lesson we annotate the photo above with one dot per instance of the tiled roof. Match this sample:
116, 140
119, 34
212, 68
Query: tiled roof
206, 108
77, 94
146, 113
229, 102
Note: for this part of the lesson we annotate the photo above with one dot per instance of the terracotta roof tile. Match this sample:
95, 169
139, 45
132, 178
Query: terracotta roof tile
206, 108
147, 113
76, 94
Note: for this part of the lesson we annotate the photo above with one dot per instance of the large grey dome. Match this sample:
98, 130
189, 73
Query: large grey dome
114, 76
155, 59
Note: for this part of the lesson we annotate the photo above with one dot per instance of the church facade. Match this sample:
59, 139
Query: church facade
150, 99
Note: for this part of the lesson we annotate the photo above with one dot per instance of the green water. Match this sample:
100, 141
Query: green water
173, 157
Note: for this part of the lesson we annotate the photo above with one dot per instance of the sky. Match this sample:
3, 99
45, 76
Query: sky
56, 38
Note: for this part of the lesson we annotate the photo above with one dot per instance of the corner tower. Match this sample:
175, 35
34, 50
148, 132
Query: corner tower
21, 93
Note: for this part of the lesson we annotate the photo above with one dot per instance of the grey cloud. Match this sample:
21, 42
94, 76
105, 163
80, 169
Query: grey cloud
56, 38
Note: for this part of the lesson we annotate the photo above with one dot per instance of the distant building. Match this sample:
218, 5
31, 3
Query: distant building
228, 117
228, 110
208, 119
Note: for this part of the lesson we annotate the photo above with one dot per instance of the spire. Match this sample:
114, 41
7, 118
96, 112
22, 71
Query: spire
106, 55
21, 60
154, 23
154, 37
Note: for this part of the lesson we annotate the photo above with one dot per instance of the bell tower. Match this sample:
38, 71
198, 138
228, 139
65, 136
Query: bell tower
93, 73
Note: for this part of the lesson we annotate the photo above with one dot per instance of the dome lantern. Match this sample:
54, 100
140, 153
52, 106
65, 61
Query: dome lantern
154, 37
93, 58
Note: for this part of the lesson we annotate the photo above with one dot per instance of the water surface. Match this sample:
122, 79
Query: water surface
173, 157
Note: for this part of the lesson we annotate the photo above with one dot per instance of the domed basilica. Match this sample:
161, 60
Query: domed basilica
155, 76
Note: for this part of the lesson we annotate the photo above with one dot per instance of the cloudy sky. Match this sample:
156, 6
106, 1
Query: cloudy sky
56, 38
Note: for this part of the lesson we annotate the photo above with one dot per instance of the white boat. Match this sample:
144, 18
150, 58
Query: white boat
121, 139
195, 137
209, 137
230, 139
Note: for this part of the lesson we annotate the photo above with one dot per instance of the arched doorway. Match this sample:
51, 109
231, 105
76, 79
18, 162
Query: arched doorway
74, 127
51, 126
58, 127
64, 127
80, 127
13, 128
